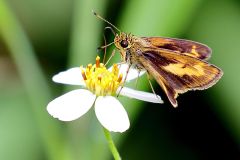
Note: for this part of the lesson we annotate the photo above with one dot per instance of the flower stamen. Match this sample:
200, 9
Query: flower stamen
89, 66
97, 62
83, 74
100, 78
101, 81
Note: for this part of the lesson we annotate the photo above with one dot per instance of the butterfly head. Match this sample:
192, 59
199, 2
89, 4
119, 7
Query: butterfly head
123, 42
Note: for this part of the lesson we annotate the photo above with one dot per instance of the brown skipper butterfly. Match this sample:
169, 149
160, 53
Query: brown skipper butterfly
177, 65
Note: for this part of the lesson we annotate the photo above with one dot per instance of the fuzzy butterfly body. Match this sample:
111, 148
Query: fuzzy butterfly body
177, 65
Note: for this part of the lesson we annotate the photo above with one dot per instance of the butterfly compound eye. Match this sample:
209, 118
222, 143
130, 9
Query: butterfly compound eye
124, 43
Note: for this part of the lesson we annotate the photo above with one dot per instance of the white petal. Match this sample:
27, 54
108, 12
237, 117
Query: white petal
132, 74
71, 76
71, 105
111, 114
141, 95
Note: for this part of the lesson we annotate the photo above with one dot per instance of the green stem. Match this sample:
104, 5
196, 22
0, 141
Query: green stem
111, 144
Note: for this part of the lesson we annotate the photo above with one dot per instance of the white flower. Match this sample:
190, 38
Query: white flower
101, 87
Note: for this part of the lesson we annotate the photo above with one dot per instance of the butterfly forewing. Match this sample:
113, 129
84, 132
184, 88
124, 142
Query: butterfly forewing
186, 47
178, 73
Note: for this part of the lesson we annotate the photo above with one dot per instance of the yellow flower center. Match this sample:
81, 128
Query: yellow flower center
101, 81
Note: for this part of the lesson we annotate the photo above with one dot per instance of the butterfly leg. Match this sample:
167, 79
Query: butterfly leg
105, 42
150, 83
113, 53
124, 80
105, 49
136, 82
114, 33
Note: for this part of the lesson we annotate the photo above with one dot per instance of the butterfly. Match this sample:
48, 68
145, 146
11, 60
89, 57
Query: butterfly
177, 65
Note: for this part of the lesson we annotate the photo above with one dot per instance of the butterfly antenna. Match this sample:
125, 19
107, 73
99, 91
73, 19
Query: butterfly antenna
98, 16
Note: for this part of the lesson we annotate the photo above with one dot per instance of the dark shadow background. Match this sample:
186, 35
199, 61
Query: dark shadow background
192, 131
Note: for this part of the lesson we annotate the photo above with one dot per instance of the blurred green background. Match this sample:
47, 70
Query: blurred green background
41, 38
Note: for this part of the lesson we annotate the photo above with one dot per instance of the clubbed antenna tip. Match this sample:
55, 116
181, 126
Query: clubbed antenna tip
100, 17
94, 12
